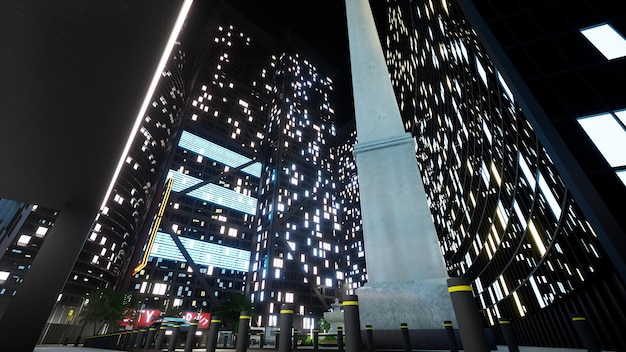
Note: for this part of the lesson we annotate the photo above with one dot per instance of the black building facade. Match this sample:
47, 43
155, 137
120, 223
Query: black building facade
524, 203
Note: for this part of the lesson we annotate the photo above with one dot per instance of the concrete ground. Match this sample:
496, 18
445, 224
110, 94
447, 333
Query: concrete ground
58, 348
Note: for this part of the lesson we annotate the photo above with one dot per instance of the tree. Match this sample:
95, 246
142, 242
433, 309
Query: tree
106, 305
230, 306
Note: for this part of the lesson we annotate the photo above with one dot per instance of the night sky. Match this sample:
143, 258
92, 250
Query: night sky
320, 24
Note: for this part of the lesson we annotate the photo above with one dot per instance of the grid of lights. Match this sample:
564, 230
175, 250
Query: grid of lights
202, 253
213, 193
218, 153
297, 240
480, 159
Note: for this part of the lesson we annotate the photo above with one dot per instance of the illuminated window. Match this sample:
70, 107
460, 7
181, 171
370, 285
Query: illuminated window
4, 275
608, 132
23, 240
41, 231
607, 40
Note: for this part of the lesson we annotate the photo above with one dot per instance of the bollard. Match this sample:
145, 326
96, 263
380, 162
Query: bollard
261, 339
173, 341
214, 327
120, 340
447, 324
160, 337
352, 323
139, 338
467, 314
316, 340
149, 338
128, 338
244, 329
276, 339
406, 341
285, 323
583, 329
190, 341
509, 334
340, 338
370, 338
294, 340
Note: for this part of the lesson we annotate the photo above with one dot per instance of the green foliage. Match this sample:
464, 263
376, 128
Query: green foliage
305, 340
106, 305
230, 307
324, 325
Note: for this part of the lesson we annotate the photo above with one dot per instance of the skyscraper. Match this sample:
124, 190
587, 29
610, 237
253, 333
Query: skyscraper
297, 244
499, 100
251, 207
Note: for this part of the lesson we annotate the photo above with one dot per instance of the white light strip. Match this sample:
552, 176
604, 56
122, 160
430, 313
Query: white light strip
202, 253
182, 15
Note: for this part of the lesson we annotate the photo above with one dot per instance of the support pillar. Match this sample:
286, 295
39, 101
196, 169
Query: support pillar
406, 271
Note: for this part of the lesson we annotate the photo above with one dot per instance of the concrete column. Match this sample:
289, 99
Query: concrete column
37, 294
405, 267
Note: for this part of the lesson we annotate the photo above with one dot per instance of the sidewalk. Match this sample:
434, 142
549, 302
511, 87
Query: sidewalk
57, 348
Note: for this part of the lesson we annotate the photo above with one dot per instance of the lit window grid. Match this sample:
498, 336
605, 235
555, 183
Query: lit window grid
477, 144
213, 110
23, 240
220, 102
304, 209
101, 262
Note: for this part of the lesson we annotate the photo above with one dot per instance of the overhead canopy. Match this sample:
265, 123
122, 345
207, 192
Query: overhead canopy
74, 74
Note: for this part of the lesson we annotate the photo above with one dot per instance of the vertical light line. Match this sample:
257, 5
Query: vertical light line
182, 15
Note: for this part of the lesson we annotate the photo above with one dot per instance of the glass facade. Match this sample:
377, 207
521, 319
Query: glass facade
504, 214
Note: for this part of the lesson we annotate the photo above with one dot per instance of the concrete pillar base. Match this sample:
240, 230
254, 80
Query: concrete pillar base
422, 304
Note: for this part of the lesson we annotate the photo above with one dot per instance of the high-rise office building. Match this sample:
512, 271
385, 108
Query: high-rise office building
200, 245
519, 126
248, 202
229, 184
297, 245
